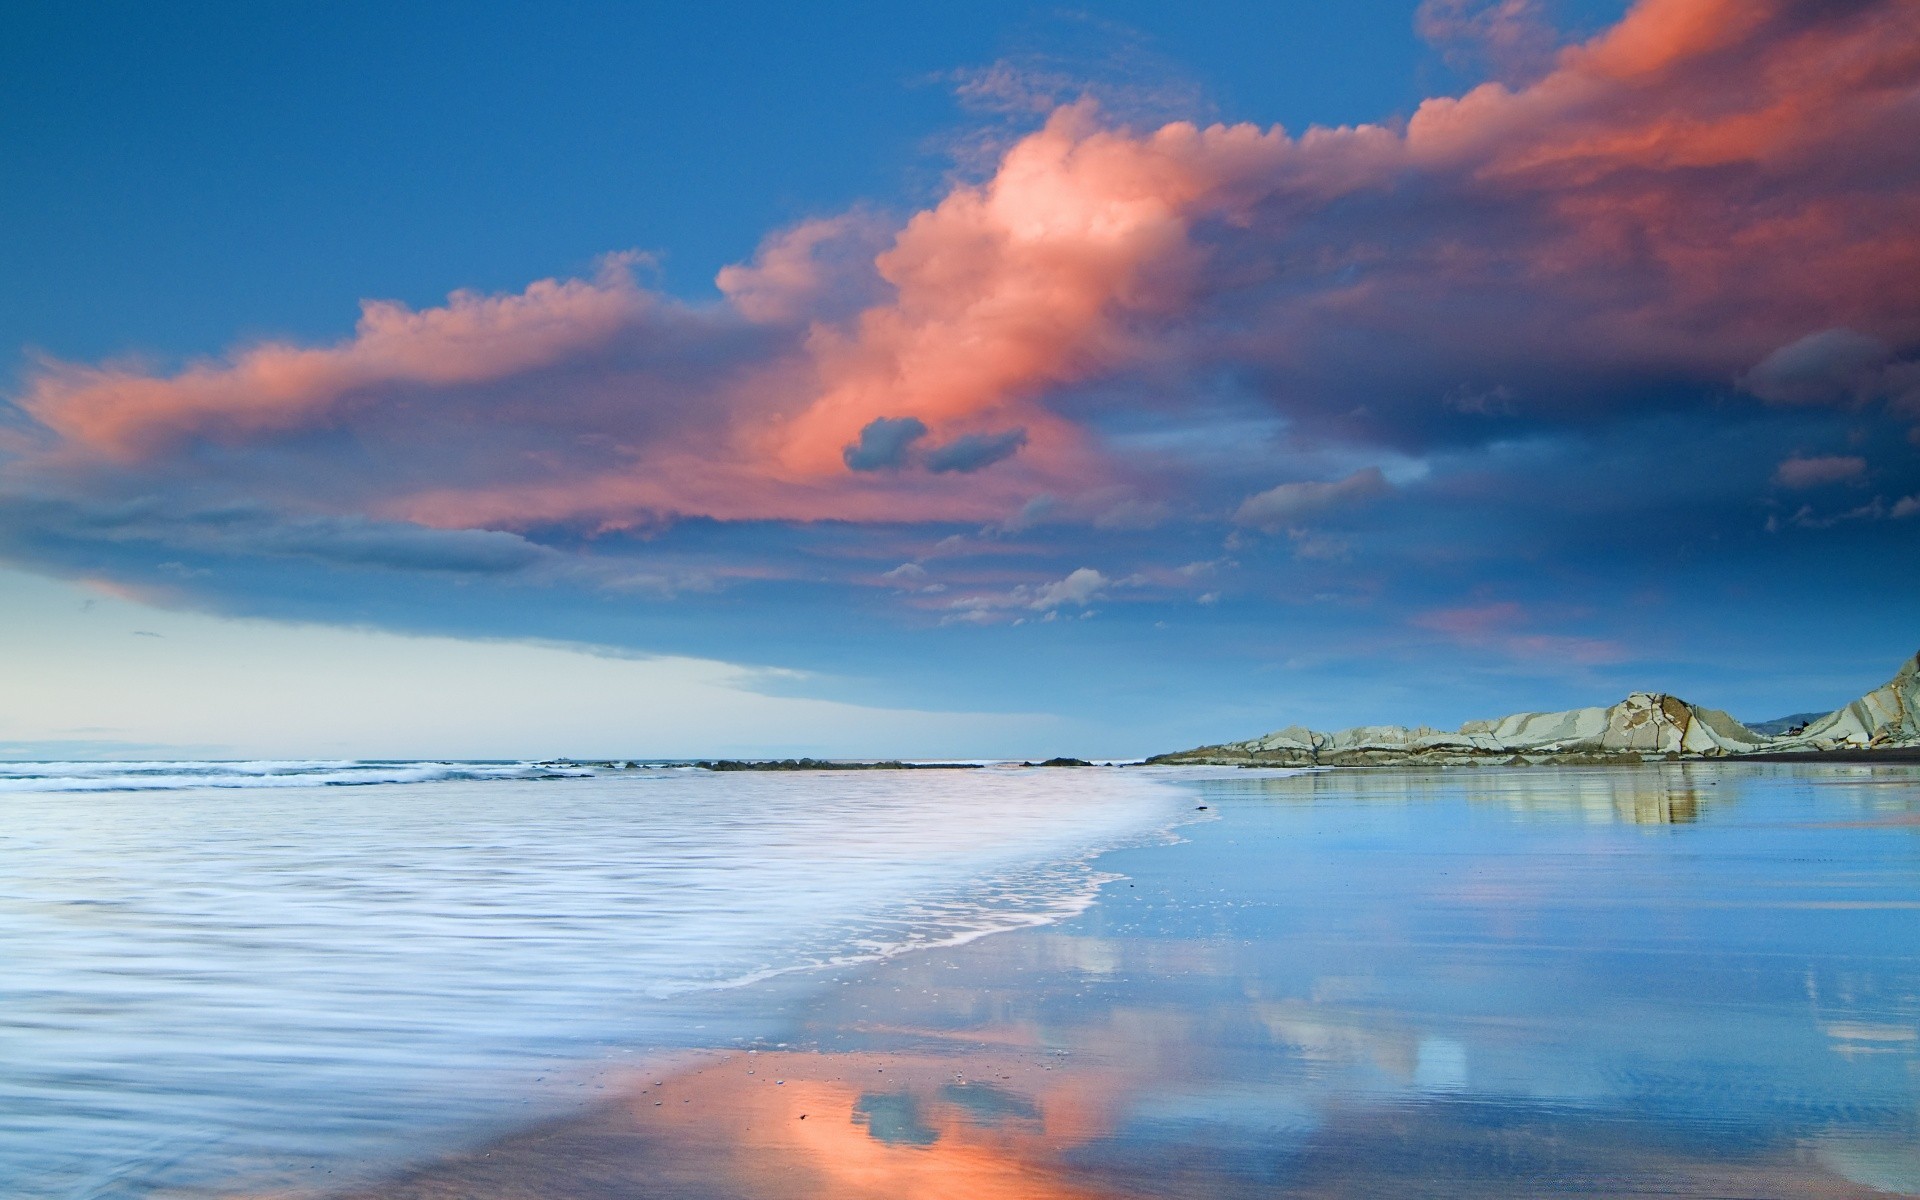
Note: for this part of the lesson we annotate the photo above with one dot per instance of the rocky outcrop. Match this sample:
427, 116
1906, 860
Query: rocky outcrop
1646, 725
1886, 718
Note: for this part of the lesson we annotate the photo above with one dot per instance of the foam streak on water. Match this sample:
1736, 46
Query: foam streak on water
165, 776
242, 980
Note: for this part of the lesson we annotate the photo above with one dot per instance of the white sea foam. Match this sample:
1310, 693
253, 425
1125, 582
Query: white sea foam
160, 776
215, 980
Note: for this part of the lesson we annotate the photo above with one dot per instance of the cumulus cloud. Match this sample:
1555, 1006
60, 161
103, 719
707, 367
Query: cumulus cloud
1820, 470
1082, 587
818, 268
1079, 589
975, 451
1513, 37
884, 443
1290, 503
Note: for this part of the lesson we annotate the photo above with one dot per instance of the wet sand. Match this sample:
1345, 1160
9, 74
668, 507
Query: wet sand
931, 1131
1624, 984
992, 1113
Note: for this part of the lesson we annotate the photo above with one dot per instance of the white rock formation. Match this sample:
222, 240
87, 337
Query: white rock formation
1644, 725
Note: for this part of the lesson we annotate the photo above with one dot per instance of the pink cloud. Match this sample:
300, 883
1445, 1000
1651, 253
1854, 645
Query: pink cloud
1513, 35
274, 387
1820, 470
1473, 621
800, 272
1501, 626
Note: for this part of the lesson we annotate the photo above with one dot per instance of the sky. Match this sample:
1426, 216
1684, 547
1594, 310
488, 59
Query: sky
976, 380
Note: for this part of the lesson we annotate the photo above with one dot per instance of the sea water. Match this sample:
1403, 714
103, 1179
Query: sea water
254, 974
1372, 982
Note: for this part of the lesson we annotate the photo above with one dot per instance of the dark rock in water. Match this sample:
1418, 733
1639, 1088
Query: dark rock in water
823, 764
1062, 762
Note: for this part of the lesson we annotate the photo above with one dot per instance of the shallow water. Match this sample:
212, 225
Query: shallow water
1668, 980
261, 982
1718, 961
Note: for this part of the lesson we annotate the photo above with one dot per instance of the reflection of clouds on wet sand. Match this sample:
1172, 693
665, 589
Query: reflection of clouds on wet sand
1031, 1125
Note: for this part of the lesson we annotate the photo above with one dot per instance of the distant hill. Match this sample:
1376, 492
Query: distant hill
1780, 725
1645, 726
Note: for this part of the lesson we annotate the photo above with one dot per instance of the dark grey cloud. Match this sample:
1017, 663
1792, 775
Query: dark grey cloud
36, 528
974, 451
1828, 367
1836, 366
884, 443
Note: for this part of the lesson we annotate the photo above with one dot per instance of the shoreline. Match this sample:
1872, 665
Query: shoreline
1893, 756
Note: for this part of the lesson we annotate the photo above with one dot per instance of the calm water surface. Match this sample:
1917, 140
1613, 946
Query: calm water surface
1717, 963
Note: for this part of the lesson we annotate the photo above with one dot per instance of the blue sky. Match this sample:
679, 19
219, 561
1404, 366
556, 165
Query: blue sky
1043, 368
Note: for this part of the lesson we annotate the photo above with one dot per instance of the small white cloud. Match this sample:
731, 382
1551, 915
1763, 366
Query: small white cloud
1081, 587
1279, 507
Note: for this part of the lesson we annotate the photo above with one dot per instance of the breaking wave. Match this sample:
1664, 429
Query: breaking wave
161, 776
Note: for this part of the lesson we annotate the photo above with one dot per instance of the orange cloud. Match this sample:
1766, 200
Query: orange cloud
275, 387
1025, 282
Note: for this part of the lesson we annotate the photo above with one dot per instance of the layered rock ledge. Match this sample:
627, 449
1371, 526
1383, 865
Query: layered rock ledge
1645, 726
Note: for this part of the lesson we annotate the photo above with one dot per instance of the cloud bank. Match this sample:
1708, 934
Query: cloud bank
1122, 338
